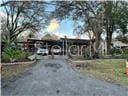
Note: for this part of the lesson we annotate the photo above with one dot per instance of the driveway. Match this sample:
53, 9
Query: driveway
56, 78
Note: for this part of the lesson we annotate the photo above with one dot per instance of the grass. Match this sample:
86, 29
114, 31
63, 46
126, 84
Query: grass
110, 70
9, 72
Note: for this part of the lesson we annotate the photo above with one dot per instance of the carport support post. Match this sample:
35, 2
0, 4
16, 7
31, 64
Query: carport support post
63, 47
90, 48
47, 47
66, 45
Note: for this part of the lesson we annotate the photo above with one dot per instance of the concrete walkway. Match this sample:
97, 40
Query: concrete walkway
57, 78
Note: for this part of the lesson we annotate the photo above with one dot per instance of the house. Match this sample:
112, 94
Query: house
117, 43
64, 43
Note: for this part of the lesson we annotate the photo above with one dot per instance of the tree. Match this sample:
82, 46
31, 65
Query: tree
23, 15
4, 33
88, 12
116, 17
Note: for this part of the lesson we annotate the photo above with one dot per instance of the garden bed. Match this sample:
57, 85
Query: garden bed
110, 70
12, 56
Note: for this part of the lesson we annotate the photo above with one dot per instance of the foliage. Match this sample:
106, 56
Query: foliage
97, 16
116, 51
125, 50
86, 53
116, 19
12, 54
119, 53
22, 16
4, 31
125, 53
87, 12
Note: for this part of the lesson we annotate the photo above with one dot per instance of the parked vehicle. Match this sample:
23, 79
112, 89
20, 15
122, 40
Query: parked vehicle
42, 50
56, 50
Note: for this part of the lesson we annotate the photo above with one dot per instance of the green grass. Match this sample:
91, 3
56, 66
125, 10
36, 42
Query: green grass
9, 72
110, 70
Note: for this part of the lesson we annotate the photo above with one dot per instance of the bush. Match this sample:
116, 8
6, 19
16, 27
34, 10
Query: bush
86, 53
116, 51
125, 50
125, 53
119, 53
13, 54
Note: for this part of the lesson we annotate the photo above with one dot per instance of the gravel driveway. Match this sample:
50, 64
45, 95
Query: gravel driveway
57, 78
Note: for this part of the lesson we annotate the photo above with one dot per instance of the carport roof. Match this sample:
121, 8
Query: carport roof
77, 41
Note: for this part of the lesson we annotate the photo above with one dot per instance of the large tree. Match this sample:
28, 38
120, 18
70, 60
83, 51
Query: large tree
22, 16
88, 12
97, 16
116, 18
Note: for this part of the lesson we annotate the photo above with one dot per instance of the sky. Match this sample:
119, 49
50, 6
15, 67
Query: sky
65, 27
61, 28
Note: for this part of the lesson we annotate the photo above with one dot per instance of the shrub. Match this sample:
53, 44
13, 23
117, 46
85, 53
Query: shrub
119, 53
116, 51
13, 54
86, 53
125, 50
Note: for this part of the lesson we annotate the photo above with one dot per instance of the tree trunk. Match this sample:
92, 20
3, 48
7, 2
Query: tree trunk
109, 40
109, 36
96, 46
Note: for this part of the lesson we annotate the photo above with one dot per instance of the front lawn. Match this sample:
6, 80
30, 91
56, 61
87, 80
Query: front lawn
110, 70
